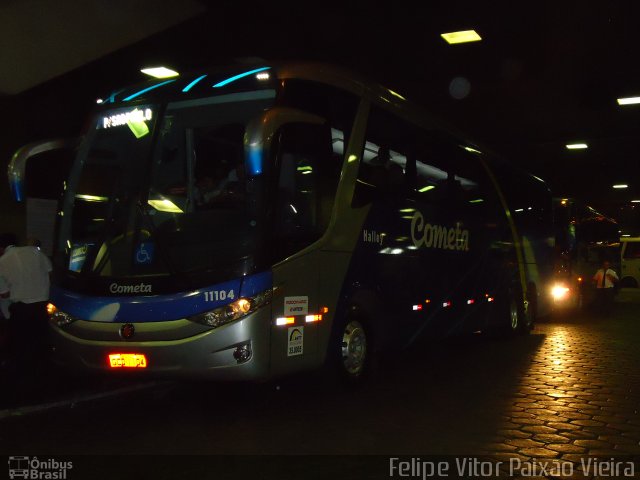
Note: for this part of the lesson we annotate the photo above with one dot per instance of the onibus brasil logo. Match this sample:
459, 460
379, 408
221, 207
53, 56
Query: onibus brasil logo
33, 468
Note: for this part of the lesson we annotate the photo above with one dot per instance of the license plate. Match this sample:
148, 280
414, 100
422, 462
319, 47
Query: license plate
127, 360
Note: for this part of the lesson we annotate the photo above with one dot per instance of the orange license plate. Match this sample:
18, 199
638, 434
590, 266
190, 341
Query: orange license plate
127, 360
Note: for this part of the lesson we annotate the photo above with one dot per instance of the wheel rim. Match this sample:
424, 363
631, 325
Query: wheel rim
354, 348
513, 313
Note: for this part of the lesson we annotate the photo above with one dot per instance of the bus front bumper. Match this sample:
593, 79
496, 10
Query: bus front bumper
238, 351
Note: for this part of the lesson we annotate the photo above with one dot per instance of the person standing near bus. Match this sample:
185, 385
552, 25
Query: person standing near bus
605, 279
24, 280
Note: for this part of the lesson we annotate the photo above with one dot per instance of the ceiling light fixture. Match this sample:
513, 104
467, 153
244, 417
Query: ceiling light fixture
463, 36
621, 185
160, 72
628, 101
577, 146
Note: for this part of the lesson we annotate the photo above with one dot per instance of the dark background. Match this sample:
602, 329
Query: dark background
544, 75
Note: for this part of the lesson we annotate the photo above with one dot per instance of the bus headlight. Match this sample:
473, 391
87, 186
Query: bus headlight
233, 311
58, 317
559, 292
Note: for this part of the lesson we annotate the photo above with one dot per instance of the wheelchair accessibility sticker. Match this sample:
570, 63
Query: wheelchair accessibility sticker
145, 253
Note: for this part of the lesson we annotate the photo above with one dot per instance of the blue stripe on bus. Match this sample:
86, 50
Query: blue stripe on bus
239, 76
157, 308
145, 90
254, 284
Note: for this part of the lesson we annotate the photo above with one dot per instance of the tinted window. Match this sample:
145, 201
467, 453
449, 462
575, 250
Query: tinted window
336, 106
632, 250
308, 177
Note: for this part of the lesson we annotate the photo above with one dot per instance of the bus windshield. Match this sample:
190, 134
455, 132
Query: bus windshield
166, 193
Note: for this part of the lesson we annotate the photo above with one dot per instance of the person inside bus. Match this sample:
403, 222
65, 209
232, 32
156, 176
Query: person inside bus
605, 280
224, 186
386, 174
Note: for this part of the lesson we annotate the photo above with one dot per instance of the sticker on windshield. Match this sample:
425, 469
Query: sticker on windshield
144, 253
296, 305
78, 256
295, 341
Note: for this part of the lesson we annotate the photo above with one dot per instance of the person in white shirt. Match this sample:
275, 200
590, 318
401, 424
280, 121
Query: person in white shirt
24, 280
605, 280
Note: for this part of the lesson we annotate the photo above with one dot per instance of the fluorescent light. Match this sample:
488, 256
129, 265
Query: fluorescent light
463, 36
635, 201
577, 146
628, 100
626, 235
426, 189
621, 185
160, 72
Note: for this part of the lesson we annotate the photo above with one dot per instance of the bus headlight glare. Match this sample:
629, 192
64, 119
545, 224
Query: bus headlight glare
232, 311
559, 292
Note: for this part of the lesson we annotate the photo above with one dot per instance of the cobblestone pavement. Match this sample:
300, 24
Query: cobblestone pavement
581, 393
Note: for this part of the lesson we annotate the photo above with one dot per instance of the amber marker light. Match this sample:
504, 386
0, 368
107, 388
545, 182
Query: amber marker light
242, 305
51, 308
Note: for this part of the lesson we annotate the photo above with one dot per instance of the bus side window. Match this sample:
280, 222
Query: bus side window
384, 159
632, 250
306, 186
337, 106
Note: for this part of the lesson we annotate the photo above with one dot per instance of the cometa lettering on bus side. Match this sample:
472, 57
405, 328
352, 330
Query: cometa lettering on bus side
140, 288
438, 236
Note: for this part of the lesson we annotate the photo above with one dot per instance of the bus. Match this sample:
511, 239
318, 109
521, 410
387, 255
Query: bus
246, 223
630, 262
584, 239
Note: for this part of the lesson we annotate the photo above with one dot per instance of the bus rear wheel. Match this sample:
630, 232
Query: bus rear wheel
520, 319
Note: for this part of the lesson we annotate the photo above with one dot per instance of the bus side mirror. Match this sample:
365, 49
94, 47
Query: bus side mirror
18, 162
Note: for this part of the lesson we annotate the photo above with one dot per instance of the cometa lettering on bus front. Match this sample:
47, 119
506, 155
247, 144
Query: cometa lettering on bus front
438, 236
140, 288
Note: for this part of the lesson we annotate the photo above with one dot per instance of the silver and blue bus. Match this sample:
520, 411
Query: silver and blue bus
245, 223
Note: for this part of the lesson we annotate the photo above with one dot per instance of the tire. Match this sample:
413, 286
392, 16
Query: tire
519, 321
350, 353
